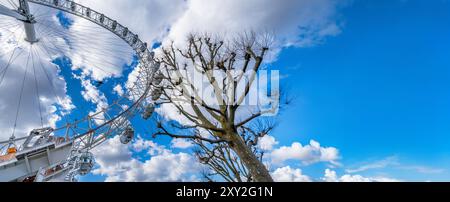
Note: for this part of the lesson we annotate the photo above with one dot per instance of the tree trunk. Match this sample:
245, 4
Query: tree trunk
256, 168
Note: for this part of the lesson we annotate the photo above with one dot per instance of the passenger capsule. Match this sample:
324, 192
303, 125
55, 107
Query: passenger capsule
127, 135
11, 150
88, 12
144, 47
148, 111
157, 79
156, 65
114, 25
151, 56
125, 32
135, 39
86, 163
156, 94
73, 6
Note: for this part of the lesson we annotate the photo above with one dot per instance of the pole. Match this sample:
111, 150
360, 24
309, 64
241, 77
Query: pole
29, 23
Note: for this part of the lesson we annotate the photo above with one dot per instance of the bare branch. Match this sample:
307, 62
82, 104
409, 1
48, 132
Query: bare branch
165, 132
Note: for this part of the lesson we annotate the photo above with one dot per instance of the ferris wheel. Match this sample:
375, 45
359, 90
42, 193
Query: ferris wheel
35, 37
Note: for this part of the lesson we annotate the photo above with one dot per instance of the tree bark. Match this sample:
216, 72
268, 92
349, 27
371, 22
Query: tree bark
256, 168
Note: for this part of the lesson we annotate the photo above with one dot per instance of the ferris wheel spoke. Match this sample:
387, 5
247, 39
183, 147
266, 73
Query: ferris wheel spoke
53, 89
10, 3
3, 68
20, 96
40, 11
86, 46
7, 25
94, 33
10, 62
59, 49
13, 4
11, 33
36, 83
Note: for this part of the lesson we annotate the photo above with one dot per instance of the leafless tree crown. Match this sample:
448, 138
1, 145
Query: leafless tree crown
225, 129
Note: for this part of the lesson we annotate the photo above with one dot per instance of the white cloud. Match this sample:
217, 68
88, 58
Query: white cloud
423, 169
181, 143
148, 146
392, 160
288, 174
116, 162
118, 89
92, 94
331, 176
267, 143
170, 112
97, 52
308, 154
298, 23
150, 19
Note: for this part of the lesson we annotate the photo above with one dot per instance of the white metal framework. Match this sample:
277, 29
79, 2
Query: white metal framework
44, 156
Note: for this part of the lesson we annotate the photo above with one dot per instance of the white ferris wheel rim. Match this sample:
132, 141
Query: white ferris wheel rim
138, 94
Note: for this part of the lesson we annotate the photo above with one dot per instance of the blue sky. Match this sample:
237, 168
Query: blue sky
378, 92
379, 89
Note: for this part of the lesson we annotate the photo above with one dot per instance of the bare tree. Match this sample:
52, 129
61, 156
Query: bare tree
230, 70
223, 162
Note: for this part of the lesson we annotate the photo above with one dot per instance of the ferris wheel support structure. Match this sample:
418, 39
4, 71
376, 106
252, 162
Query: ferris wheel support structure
30, 31
61, 157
